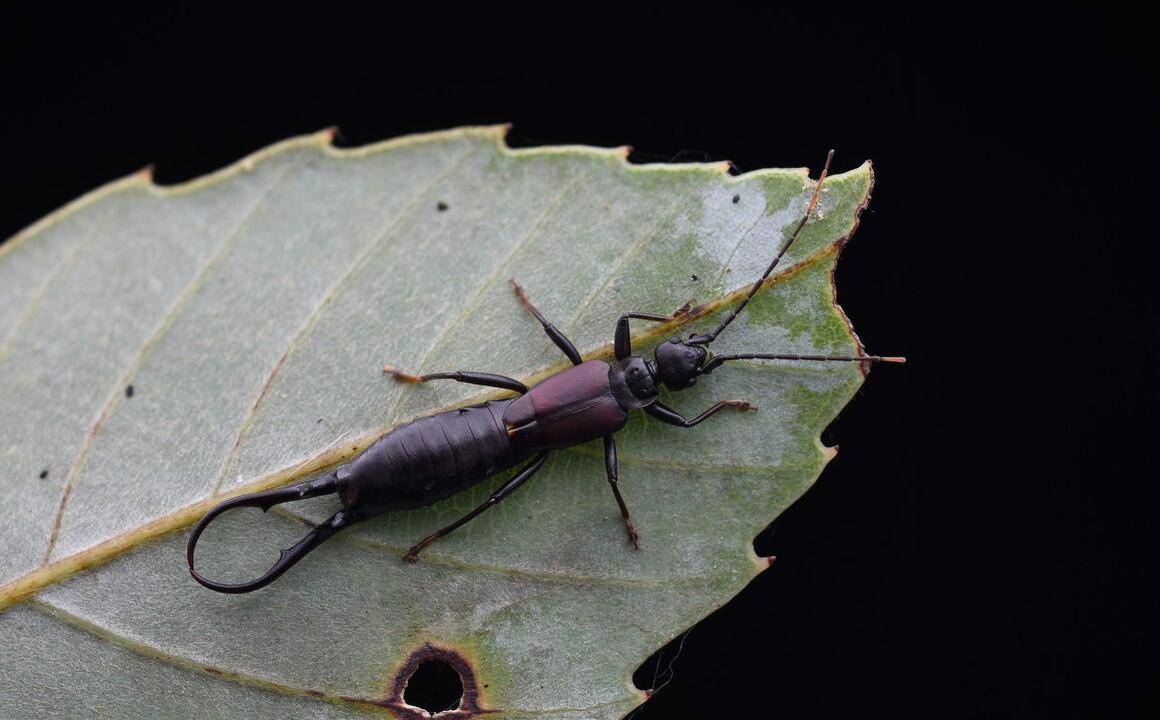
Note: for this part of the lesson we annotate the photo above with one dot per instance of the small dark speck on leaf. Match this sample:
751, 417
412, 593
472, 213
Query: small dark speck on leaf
319, 420
441, 206
43, 474
128, 391
695, 278
736, 199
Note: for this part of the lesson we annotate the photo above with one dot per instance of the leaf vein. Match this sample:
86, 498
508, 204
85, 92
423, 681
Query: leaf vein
316, 313
741, 241
528, 235
135, 646
570, 579
632, 252
115, 394
41, 292
527, 238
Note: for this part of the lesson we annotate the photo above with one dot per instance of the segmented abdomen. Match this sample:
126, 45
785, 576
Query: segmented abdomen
429, 459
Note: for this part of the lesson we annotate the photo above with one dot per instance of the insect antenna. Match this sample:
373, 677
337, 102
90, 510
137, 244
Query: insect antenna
707, 338
717, 360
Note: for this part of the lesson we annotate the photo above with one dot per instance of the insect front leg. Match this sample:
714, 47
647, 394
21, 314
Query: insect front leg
667, 415
614, 481
520, 478
553, 332
623, 340
463, 376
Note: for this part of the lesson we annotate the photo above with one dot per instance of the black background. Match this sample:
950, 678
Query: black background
975, 549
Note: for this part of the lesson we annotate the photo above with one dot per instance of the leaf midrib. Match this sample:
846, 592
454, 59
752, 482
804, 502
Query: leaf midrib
327, 298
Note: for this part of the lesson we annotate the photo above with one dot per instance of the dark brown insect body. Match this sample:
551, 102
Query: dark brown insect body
439, 455
429, 459
436, 456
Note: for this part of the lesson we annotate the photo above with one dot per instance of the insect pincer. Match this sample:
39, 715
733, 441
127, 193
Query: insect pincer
291, 555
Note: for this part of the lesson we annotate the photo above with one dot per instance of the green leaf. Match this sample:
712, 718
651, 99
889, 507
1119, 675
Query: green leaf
251, 312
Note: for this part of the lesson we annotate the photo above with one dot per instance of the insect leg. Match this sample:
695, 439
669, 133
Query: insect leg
463, 376
613, 481
553, 332
520, 478
666, 414
623, 343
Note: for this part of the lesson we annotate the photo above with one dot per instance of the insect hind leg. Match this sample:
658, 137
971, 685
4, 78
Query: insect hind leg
553, 332
521, 477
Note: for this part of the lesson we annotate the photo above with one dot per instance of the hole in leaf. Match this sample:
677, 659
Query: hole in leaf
435, 682
435, 687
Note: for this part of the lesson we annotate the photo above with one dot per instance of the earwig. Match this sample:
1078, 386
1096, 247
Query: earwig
436, 456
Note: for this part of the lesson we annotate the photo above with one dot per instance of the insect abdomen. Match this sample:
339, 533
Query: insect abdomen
429, 459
